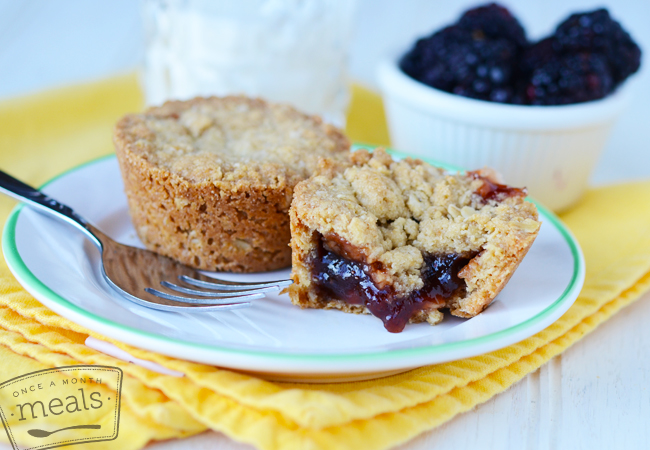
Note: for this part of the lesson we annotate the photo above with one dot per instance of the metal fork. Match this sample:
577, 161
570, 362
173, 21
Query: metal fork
139, 274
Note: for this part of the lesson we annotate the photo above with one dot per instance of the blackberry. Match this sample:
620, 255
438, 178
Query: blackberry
494, 21
552, 78
465, 63
486, 56
536, 55
597, 32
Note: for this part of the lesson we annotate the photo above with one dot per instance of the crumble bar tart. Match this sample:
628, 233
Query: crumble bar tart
209, 181
403, 240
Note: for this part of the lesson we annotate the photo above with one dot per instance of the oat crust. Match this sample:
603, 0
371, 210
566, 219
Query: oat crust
209, 181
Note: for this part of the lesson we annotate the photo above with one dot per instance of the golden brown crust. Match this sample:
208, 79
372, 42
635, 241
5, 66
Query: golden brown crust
394, 213
209, 181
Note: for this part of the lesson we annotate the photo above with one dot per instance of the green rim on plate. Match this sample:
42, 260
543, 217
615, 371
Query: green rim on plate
19, 267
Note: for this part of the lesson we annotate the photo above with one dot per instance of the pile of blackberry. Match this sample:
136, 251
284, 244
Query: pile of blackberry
486, 56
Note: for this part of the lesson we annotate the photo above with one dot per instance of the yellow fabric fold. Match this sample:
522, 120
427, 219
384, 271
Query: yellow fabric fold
43, 135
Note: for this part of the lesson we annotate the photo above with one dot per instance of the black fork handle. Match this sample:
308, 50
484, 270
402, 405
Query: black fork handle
42, 203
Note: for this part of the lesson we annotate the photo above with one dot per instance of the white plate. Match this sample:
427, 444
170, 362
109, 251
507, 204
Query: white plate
60, 268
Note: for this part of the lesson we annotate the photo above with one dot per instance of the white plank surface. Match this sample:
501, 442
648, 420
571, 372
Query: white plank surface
594, 396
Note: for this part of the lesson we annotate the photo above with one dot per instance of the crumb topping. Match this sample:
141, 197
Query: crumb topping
232, 140
396, 212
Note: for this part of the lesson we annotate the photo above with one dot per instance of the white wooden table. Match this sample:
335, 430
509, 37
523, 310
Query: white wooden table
596, 395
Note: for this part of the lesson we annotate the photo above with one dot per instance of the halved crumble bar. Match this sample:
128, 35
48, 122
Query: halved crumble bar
403, 240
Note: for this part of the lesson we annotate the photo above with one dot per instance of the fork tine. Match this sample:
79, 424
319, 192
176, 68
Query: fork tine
235, 286
243, 300
184, 290
217, 292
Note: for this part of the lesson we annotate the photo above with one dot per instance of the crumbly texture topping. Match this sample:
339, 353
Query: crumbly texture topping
395, 212
232, 141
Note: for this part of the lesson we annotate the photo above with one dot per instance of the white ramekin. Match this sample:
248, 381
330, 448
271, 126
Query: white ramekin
551, 150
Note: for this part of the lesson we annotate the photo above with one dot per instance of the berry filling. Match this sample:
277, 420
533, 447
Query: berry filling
351, 281
495, 191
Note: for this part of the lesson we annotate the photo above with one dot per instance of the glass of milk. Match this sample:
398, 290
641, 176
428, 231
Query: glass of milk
289, 51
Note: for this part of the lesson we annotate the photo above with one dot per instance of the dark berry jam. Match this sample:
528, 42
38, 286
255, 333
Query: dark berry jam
350, 281
495, 191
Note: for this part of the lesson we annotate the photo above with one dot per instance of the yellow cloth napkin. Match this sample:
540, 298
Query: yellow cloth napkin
42, 135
